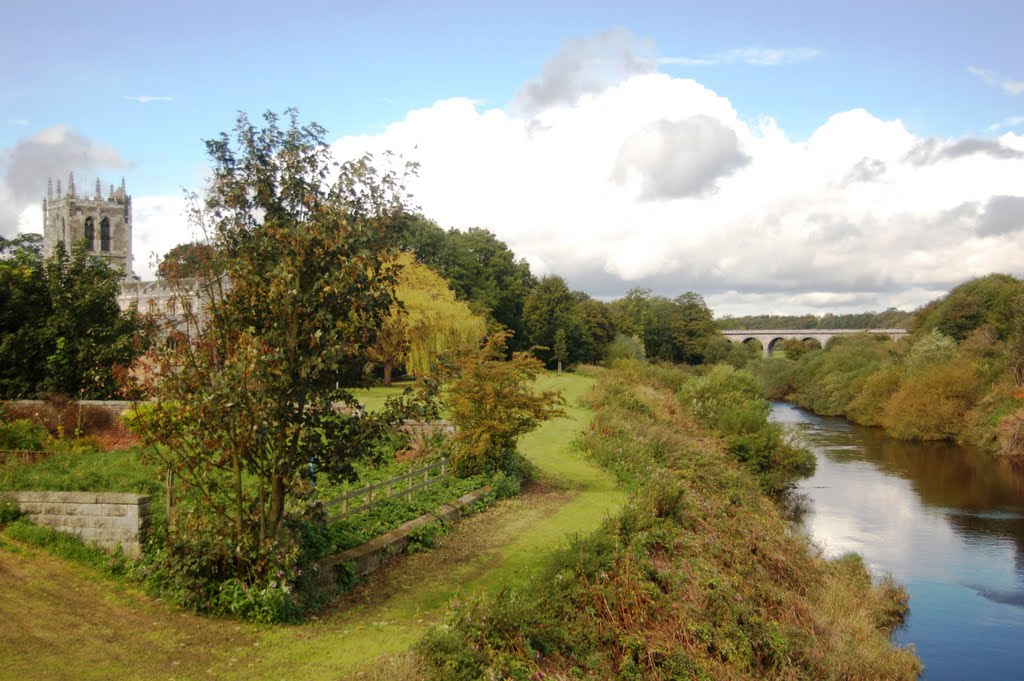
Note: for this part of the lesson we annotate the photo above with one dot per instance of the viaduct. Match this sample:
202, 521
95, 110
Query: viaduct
769, 338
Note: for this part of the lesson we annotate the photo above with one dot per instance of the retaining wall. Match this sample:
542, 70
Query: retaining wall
107, 519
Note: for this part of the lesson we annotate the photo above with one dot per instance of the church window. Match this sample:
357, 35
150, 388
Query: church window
105, 235
90, 234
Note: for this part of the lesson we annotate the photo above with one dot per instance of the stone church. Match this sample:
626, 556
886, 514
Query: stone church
105, 224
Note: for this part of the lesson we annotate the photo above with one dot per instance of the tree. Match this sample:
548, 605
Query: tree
247, 409
595, 322
24, 309
426, 322
186, 261
61, 330
546, 311
481, 269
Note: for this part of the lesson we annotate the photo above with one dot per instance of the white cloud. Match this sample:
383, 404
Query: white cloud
849, 219
50, 153
1004, 83
147, 99
752, 56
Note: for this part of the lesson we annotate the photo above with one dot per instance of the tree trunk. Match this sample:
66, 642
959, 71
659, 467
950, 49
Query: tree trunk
559, 367
389, 365
277, 494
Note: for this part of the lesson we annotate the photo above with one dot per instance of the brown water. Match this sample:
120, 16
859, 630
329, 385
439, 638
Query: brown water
945, 521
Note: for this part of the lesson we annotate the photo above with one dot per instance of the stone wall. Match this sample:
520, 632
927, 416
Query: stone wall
107, 519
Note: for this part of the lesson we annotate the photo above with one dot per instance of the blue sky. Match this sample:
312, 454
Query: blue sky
77, 77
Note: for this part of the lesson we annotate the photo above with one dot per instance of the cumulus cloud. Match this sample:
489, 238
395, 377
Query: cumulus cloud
1002, 215
656, 181
934, 150
586, 66
1008, 85
677, 159
50, 153
752, 56
866, 170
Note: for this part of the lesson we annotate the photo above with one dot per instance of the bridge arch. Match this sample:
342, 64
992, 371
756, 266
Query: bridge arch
769, 338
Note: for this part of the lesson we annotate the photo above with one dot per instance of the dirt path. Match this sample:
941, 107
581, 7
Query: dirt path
66, 618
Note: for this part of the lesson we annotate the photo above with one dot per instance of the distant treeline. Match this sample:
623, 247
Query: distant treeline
890, 319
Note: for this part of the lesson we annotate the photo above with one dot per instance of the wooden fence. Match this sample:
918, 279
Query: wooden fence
399, 486
23, 455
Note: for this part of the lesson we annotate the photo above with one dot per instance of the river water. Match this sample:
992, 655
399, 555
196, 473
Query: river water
945, 521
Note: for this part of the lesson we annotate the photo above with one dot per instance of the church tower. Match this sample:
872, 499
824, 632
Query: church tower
104, 224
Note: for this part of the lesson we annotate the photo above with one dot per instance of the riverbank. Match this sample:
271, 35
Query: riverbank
958, 377
698, 576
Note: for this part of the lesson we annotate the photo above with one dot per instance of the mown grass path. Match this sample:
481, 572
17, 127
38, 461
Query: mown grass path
375, 625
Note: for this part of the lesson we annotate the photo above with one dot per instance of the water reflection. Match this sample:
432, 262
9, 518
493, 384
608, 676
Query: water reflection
945, 520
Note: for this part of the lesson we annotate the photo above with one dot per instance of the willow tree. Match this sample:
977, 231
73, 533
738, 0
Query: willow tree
246, 408
425, 323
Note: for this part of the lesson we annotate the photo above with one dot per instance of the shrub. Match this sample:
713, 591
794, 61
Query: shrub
22, 434
869, 404
730, 403
625, 347
9, 511
492, 403
932, 403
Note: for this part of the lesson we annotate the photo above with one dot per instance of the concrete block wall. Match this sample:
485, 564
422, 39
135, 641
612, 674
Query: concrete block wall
107, 519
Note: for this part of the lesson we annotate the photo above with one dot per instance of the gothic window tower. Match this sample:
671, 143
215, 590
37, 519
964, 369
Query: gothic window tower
104, 224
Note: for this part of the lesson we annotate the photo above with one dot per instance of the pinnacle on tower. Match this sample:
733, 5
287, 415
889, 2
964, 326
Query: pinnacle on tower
49, 187
99, 190
58, 189
110, 196
71, 185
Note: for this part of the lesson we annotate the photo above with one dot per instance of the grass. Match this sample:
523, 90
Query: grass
90, 627
373, 399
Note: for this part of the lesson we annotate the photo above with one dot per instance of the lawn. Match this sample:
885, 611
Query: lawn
64, 621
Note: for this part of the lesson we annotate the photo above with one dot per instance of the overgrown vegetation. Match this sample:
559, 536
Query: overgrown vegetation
959, 376
697, 578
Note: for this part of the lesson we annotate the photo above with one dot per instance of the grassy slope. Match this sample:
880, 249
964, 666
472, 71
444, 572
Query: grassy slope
102, 629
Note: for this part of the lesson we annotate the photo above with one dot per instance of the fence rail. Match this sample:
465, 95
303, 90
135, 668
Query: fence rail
394, 488
23, 455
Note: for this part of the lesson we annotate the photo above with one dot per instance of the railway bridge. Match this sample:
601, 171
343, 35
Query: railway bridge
770, 338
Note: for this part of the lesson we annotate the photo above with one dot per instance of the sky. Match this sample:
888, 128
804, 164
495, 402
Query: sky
784, 157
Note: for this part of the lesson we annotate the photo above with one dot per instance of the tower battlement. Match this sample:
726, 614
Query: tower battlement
105, 224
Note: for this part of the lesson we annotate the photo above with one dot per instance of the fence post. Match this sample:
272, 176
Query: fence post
409, 484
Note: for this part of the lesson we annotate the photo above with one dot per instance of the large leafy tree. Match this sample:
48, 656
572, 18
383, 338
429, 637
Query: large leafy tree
676, 330
248, 407
479, 267
61, 330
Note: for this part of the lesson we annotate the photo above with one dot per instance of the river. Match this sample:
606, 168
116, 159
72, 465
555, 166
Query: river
947, 522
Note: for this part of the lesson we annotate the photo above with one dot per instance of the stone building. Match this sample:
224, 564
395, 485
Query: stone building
105, 224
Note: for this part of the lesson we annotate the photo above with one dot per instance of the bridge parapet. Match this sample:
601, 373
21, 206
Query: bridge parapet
770, 337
